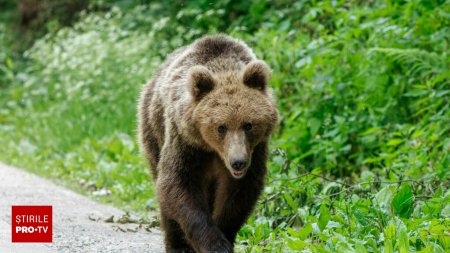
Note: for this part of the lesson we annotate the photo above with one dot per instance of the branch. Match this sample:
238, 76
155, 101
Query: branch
311, 174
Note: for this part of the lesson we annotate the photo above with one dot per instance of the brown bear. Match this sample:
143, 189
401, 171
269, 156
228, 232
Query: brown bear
204, 122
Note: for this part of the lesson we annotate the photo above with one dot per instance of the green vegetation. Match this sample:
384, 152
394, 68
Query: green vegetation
360, 162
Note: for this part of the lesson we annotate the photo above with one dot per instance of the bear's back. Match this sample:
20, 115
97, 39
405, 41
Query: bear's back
211, 48
206, 51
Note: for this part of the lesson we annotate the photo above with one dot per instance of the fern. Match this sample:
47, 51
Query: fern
417, 61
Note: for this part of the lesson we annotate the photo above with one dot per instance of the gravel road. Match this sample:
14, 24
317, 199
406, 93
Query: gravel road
78, 222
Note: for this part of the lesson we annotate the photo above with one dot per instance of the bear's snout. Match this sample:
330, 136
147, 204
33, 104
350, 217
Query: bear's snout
238, 167
238, 164
237, 157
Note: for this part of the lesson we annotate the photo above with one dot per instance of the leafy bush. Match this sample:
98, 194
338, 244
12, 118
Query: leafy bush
360, 161
6, 63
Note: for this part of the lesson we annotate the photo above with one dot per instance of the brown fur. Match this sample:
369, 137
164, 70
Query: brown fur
204, 122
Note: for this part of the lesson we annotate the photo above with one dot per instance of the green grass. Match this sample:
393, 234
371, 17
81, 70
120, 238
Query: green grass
360, 162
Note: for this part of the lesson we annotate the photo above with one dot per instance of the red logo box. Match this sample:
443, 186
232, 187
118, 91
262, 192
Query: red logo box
31, 223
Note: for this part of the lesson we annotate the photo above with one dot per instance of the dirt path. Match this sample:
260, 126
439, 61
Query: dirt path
78, 222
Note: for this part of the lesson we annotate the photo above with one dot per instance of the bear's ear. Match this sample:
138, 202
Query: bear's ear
201, 82
256, 75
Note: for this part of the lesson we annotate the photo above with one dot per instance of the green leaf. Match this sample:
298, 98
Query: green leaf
297, 244
9, 63
360, 248
314, 125
389, 232
383, 198
290, 201
304, 232
324, 217
394, 142
388, 246
415, 93
403, 240
403, 201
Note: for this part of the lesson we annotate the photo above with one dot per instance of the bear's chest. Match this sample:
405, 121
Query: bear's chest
215, 180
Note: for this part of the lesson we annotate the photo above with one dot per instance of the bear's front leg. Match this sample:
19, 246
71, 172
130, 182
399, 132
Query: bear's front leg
181, 199
232, 208
236, 198
174, 237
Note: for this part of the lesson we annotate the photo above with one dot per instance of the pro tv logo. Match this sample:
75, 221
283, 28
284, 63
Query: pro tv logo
31, 223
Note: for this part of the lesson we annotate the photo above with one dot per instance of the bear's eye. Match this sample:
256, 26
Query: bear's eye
247, 126
222, 129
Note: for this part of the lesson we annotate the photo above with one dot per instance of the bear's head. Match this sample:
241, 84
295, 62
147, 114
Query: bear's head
234, 112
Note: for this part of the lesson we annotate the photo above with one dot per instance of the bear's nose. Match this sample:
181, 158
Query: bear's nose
238, 164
